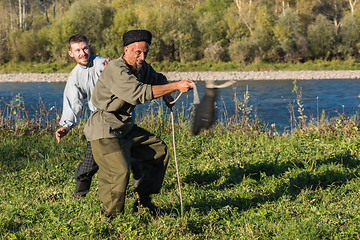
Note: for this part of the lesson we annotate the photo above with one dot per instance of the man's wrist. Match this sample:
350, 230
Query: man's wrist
69, 127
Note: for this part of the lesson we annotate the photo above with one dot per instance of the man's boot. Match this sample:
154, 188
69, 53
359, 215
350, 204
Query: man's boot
82, 188
144, 201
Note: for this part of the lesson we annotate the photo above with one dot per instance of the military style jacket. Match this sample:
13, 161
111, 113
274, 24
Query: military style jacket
116, 93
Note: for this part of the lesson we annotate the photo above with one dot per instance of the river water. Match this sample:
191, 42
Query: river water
269, 99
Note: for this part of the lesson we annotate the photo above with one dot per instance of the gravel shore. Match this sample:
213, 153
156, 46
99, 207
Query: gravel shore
216, 76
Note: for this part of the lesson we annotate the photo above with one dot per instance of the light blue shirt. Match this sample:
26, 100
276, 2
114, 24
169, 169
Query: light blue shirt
79, 87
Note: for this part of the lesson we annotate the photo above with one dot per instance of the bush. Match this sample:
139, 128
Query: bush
263, 32
243, 51
25, 45
84, 17
4, 49
349, 34
214, 52
286, 31
322, 37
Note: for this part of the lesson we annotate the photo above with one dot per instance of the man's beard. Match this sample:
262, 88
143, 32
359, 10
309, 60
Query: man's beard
136, 68
87, 60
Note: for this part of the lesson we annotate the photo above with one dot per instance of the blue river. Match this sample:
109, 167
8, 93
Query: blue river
271, 100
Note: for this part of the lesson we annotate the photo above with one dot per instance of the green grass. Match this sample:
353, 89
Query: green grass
62, 67
238, 182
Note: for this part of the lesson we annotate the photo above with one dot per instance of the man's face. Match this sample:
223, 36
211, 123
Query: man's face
80, 52
135, 54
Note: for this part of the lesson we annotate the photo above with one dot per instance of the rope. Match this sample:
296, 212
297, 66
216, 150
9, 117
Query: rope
209, 84
196, 101
176, 164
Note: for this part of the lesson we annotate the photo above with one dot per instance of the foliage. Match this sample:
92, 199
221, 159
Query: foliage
322, 36
287, 33
243, 51
263, 32
184, 31
214, 52
349, 34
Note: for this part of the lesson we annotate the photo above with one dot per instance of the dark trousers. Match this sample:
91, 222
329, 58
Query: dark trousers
84, 172
88, 167
113, 155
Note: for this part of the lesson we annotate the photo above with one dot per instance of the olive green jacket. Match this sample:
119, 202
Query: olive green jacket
116, 93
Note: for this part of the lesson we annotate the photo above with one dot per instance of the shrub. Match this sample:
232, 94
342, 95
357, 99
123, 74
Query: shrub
286, 31
349, 34
243, 51
322, 37
25, 45
4, 50
214, 52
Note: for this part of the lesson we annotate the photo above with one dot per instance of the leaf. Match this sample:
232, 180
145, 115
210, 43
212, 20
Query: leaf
11, 236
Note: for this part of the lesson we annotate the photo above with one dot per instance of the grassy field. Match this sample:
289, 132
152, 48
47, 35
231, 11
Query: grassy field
238, 181
62, 67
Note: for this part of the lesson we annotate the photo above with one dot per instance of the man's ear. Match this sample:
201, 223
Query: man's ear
70, 54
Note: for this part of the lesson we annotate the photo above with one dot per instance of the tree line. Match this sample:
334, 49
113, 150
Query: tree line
241, 31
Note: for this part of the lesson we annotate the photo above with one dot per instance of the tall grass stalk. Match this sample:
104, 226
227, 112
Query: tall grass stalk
242, 108
298, 91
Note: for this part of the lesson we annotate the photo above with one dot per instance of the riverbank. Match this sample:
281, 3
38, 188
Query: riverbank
221, 76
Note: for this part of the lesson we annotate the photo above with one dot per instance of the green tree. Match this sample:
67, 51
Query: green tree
331, 9
349, 35
236, 27
213, 31
186, 38
124, 20
243, 50
322, 37
210, 20
24, 45
263, 31
188, 30
287, 34
213, 28
85, 17
58, 41
163, 46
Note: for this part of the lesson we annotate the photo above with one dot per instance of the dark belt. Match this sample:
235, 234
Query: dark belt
115, 112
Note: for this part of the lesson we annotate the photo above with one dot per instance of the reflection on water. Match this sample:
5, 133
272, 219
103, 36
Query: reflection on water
270, 99
33, 94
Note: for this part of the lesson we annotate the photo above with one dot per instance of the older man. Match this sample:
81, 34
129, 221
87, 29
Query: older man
125, 83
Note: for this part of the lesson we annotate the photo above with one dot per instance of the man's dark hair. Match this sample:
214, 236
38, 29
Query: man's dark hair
77, 38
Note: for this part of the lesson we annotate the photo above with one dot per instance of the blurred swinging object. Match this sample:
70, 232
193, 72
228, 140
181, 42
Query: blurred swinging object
205, 111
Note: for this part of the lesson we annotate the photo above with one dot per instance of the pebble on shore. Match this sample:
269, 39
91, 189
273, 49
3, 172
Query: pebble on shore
202, 76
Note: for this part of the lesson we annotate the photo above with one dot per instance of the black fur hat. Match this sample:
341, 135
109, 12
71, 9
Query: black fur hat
137, 36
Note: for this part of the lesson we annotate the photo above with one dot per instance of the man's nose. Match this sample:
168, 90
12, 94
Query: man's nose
142, 56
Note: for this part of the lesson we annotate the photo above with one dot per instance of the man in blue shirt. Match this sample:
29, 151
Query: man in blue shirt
79, 87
